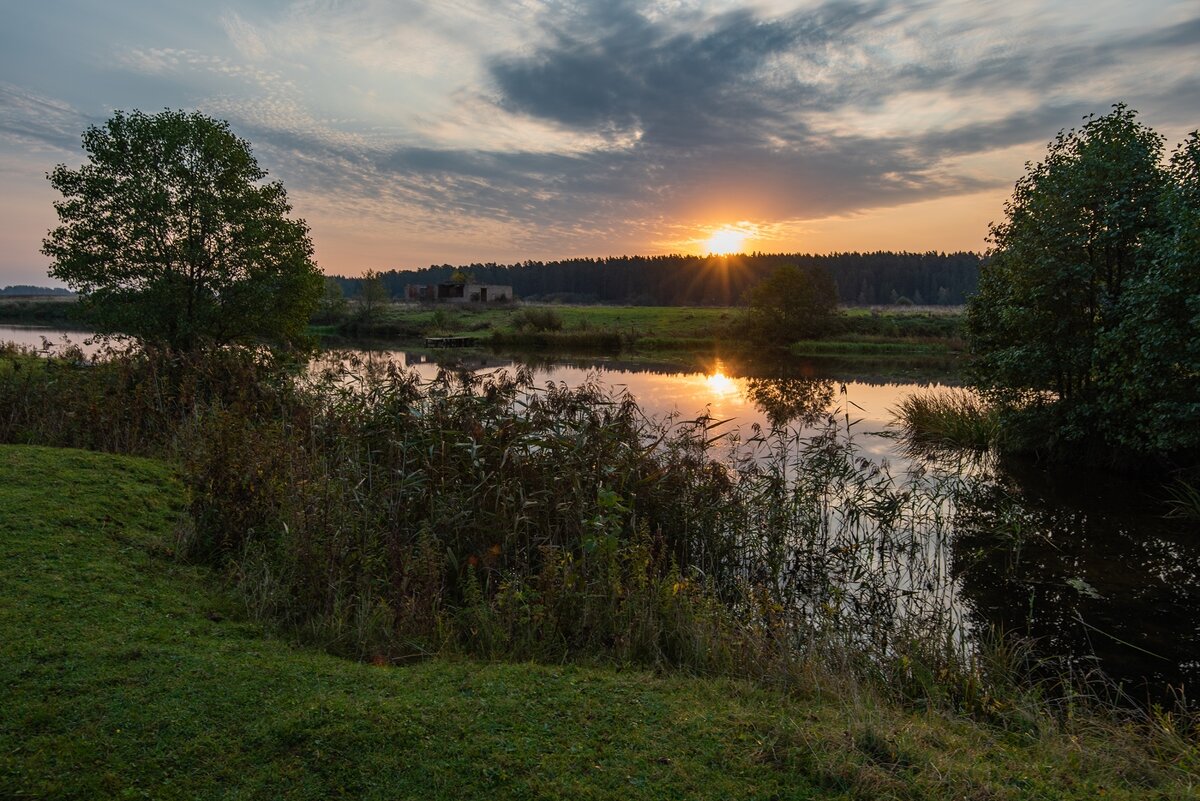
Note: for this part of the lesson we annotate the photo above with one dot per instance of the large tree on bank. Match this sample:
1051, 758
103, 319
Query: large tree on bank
1087, 313
170, 235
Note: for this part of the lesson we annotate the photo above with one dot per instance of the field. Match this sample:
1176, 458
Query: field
660, 331
38, 309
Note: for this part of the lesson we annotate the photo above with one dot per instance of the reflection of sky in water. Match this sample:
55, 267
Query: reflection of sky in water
35, 336
725, 397
688, 394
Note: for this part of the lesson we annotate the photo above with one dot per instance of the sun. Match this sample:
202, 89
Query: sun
725, 241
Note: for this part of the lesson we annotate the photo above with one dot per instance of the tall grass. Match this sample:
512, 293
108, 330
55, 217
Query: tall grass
954, 419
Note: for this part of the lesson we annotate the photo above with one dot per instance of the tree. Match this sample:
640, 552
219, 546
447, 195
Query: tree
1086, 309
792, 303
332, 305
169, 235
372, 293
1148, 385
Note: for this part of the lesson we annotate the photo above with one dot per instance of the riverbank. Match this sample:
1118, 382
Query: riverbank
128, 673
39, 310
671, 333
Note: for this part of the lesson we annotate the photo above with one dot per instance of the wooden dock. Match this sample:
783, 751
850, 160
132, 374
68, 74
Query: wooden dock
451, 342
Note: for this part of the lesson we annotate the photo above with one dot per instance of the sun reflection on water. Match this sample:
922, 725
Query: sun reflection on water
720, 385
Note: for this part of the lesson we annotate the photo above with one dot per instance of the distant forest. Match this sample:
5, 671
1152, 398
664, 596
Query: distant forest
862, 278
25, 290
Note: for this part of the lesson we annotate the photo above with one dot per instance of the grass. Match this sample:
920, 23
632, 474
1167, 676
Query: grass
953, 420
128, 674
869, 348
631, 321
666, 331
40, 310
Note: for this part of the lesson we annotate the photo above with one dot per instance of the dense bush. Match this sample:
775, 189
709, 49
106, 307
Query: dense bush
792, 303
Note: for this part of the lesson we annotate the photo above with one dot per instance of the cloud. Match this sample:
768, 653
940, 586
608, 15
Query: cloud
32, 119
614, 69
244, 36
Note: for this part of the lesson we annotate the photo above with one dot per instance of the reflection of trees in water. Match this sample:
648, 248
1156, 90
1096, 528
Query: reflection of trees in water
1092, 587
786, 401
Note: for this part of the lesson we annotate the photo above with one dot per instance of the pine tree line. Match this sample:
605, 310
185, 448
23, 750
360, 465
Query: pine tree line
676, 280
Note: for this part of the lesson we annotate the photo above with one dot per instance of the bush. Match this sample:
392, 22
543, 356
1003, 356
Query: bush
532, 318
792, 303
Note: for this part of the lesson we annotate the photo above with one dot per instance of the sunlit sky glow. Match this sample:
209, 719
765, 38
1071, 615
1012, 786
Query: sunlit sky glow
724, 241
411, 133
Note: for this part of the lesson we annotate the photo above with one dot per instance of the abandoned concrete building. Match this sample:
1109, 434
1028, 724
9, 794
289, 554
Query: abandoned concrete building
459, 293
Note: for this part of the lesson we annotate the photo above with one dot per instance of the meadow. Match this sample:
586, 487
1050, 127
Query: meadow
656, 331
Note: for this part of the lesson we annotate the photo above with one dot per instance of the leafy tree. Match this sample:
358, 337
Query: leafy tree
169, 235
1148, 384
372, 294
1087, 309
332, 305
792, 303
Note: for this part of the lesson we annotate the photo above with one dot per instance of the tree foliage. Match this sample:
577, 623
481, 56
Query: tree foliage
1087, 306
332, 305
792, 303
169, 235
372, 295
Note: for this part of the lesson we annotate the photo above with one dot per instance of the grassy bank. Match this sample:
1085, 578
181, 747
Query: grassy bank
870, 347
669, 332
128, 674
61, 310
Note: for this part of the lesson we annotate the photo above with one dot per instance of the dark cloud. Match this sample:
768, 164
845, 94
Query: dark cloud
614, 70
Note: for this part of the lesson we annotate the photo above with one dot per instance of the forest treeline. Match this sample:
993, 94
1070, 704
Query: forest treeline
676, 280
25, 290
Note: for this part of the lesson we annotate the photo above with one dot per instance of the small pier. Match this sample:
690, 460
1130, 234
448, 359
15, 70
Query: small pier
451, 342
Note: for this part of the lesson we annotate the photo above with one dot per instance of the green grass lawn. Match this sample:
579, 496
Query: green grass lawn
125, 674
652, 321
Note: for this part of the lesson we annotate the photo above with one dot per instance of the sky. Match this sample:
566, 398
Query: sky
413, 133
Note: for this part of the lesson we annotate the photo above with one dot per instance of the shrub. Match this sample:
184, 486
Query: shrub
532, 318
953, 419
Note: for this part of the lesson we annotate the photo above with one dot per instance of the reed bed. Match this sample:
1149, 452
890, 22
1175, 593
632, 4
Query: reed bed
951, 420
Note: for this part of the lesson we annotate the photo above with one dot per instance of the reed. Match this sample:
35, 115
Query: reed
955, 419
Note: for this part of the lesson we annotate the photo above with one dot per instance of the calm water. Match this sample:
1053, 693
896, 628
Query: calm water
743, 395
1084, 565
44, 338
